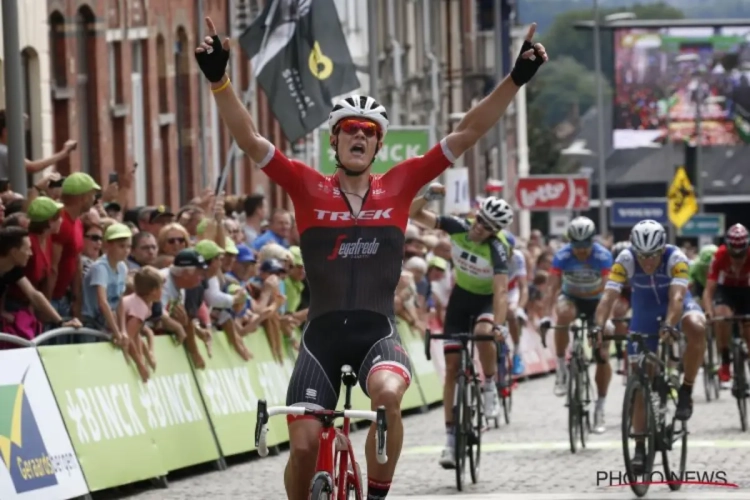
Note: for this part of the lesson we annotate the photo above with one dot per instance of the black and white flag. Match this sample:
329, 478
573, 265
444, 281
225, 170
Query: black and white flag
300, 58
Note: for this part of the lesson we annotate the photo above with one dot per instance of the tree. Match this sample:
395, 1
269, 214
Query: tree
562, 85
564, 40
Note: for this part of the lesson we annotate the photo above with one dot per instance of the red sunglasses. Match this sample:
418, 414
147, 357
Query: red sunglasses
352, 126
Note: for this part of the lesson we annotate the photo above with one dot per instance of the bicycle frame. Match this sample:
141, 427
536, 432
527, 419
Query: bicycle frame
333, 454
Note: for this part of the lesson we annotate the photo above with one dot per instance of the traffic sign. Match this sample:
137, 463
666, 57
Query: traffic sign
681, 196
630, 213
703, 225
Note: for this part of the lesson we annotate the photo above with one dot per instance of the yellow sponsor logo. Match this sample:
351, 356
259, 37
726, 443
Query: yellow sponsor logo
680, 270
618, 274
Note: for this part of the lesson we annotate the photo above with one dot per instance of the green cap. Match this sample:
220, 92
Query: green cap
43, 209
296, 255
79, 183
707, 253
438, 262
230, 247
208, 249
201, 228
117, 231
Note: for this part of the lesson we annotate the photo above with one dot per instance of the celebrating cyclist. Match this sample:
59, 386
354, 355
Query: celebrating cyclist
658, 275
728, 291
518, 297
580, 270
480, 294
698, 273
351, 227
620, 309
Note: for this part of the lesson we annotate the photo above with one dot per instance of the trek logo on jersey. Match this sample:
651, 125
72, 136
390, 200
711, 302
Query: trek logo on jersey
346, 216
359, 249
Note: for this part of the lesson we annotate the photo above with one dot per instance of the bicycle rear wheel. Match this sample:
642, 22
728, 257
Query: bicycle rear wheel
740, 382
321, 489
506, 393
633, 390
584, 398
459, 420
710, 380
670, 434
474, 428
574, 406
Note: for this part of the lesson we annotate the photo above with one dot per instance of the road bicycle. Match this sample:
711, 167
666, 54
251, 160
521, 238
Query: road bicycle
505, 382
739, 364
337, 475
660, 395
711, 383
579, 384
468, 418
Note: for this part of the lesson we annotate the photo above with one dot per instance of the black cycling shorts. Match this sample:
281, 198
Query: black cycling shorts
365, 340
583, 306
464, 309
737, 298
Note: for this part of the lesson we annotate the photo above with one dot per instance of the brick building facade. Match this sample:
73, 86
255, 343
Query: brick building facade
125, 84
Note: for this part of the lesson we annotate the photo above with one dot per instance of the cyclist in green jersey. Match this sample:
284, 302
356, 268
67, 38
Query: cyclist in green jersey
699, 270
480, 259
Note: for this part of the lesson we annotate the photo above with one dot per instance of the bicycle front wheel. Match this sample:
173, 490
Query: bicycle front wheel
633, 390
709, 375
740, 383
460, 425
474, 428
574, 405
321, 489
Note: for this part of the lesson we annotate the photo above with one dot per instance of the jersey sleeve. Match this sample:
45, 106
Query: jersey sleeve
452, 225
411, 175
604, 258
714, 268
519, 264
678, 268
621, 272
292, 175
558, 261
499, 257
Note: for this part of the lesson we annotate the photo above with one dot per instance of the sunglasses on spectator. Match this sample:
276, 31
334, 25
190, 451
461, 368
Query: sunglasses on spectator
172, 241
352, 126
94, 237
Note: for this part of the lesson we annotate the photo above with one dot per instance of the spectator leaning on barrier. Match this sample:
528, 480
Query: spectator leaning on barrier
137, 308
278, 230
78, 194
230, 254
93, 236
15, 252
436, 271
18, 315
271, 301
104, 285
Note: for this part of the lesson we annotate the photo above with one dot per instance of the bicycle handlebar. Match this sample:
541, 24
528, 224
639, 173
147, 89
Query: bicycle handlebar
735, 318
461, 337
264, 413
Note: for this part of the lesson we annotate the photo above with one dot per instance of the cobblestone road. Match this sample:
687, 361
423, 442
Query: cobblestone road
530, 456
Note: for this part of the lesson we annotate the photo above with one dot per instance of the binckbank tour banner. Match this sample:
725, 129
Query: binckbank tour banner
38, 461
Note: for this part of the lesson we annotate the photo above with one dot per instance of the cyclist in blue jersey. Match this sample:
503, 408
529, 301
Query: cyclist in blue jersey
658, 276
579, 270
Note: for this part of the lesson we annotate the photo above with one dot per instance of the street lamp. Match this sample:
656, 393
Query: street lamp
618, 16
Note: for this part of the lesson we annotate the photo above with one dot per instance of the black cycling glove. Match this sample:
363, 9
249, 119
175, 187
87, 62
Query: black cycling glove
213, 62
525, 69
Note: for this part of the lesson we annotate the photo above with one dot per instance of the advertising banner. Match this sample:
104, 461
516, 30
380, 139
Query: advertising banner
629, 213
703, 225
401, 143
662, 74
552, 192
111, 414
38, 461
233, 386
424, 374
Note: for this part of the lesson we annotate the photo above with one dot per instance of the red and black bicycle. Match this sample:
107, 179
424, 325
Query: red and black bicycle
337, 475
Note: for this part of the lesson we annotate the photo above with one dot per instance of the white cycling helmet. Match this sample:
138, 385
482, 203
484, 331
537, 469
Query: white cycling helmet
496, 211
359, 106
581, 229
648, 236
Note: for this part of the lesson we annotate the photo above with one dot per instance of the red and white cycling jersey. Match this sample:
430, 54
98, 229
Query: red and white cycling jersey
724, 272
353, 262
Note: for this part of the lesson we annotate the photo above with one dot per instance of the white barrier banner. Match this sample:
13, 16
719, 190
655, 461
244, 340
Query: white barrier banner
37, 461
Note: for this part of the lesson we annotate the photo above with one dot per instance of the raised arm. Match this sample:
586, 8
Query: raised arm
482, 117
417, 212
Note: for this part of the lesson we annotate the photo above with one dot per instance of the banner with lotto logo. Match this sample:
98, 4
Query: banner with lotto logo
400, 144
122, 429
232, 387
38, 461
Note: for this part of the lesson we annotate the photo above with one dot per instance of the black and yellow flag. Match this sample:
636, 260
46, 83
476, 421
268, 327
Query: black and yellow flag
301, 61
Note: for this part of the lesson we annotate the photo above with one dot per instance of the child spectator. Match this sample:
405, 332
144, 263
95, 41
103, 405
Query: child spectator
137, 308
105, 283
